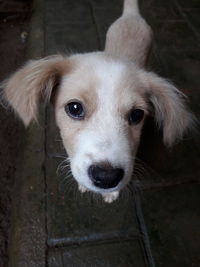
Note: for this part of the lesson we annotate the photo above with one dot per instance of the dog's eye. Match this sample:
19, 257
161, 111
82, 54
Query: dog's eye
135, 116
75, 110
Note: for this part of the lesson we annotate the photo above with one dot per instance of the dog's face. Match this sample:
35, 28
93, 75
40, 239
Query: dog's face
100, 106
100, 110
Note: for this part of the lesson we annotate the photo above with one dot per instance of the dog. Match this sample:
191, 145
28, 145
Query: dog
101, 101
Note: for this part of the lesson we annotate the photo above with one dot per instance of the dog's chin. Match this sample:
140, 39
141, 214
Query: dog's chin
109, 195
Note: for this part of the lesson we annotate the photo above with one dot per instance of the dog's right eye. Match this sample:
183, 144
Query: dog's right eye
75, 110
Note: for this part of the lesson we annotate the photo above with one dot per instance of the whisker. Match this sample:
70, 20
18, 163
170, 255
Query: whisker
66, 184
58, 140
65, 164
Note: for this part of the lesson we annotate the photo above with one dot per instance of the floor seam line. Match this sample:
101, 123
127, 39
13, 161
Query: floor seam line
143, 228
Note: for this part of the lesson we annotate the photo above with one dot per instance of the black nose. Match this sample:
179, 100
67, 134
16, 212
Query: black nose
105, 177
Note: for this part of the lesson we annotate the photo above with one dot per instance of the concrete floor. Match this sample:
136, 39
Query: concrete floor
157, 222
14, 16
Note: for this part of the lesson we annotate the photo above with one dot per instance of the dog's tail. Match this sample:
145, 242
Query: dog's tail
131, 6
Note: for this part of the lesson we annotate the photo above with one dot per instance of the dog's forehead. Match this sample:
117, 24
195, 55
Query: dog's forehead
96, 76
96, 67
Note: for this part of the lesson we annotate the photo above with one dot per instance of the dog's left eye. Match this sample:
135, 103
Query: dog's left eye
75, 110
135, 116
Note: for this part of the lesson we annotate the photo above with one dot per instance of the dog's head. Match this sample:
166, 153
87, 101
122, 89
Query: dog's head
100, 105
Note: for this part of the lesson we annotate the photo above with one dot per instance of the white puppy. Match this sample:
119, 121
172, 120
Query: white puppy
101, 101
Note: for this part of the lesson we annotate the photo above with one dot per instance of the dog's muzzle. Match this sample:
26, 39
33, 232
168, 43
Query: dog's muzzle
105, 177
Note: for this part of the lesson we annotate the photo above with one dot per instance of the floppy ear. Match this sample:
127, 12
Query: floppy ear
32, 83
170, 110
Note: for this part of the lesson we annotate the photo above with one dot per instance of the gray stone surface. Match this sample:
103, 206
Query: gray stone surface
172, 216
119, 254
28, 236
104, 15
70, 27
27, 243
170, 199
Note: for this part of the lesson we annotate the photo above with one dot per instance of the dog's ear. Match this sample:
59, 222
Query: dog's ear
170, 110
32, 83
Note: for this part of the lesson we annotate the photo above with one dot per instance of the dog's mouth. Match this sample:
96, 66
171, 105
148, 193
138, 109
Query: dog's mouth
109, 195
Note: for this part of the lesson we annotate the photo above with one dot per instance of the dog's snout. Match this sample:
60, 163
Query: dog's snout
105, 177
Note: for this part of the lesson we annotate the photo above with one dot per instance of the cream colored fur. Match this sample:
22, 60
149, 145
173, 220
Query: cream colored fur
110, 84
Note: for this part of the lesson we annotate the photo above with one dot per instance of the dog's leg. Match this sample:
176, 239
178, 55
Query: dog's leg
129, 36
